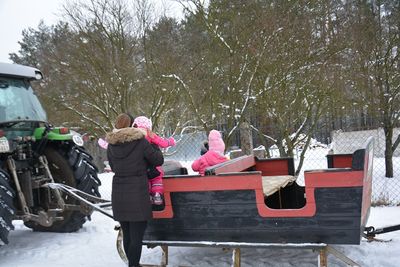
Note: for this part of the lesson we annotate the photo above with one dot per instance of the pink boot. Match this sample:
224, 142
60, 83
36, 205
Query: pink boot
158, 199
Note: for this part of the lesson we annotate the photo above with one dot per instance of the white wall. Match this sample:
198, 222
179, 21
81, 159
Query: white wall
348, 142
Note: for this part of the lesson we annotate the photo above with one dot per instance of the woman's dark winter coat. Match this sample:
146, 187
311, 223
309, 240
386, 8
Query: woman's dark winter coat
129, 155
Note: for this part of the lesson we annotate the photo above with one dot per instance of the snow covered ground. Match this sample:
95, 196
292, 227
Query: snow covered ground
94, 246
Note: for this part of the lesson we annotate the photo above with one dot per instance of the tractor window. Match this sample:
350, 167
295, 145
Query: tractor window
18, 102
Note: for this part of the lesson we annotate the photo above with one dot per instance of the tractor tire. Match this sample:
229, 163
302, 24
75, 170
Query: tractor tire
7, 209
73, 168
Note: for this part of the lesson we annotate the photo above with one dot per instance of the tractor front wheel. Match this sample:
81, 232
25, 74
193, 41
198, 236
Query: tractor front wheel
7, 209
73, 168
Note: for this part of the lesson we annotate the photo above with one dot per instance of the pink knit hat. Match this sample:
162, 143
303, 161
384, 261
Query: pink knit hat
215, 142
143, 122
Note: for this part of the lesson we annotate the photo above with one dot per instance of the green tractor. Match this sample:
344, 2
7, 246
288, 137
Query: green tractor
33, 155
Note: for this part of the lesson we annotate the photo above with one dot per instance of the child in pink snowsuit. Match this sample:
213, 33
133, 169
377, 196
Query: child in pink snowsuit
156, 187
213, 156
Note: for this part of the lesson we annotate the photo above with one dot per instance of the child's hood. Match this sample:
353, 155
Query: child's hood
215, 142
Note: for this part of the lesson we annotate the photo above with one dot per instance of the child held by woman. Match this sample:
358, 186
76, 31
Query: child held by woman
155, 173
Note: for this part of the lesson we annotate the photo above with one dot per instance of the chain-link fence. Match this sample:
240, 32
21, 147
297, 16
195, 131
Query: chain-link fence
385, 191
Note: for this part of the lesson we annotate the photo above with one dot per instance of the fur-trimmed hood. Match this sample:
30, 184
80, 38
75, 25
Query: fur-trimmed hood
125, 135
123, 141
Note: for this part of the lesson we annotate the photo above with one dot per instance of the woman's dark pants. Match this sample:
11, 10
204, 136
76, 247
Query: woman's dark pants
133, 233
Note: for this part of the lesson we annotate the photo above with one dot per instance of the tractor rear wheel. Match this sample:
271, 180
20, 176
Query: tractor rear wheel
7, 209
73, 168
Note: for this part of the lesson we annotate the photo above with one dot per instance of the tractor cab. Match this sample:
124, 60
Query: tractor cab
34, 154
20, 109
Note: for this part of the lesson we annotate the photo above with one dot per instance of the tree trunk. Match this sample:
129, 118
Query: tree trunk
281, 148
246, 138
302, 155
388, 151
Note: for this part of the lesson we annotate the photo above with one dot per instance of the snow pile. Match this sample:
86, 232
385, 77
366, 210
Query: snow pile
299, 146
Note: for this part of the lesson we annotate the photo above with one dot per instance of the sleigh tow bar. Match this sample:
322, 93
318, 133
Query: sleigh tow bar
370, 232
87, 201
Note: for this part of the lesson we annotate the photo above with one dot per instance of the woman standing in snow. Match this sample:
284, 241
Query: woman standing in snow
213, 156
129, 154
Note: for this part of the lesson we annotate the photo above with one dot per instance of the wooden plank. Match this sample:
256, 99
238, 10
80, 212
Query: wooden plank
236, 257
323, 258
293, 235
341, 257
227, 245
164, 255
276, 166
339, 160
235, 165
213, 197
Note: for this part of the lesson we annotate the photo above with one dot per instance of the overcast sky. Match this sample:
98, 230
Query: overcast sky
17, 15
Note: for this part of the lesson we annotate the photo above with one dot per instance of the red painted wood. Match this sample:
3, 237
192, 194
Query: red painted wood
273, 167
253, 181
345, 178
342, 161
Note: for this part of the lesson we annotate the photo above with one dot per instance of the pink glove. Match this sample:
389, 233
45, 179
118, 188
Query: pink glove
102, 143
171, 141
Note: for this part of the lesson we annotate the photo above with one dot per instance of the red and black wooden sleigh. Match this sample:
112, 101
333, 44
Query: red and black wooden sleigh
229, 204
250, 202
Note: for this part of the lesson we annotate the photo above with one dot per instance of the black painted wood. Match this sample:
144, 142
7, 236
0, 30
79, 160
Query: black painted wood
232, 216
358, 160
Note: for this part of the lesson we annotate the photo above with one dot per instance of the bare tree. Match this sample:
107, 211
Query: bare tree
376, 66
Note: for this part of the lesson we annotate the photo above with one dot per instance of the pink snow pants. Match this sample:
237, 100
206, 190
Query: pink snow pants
156, 184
